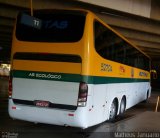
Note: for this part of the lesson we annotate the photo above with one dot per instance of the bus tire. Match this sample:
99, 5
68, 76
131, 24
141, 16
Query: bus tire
122, 106
113, 110
147, 97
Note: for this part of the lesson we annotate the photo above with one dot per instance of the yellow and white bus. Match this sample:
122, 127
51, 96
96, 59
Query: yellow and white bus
70, 68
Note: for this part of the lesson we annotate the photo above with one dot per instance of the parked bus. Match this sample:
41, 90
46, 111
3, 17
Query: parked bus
70, 68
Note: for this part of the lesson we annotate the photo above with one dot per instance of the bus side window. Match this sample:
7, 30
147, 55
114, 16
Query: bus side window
107, 44
112, 47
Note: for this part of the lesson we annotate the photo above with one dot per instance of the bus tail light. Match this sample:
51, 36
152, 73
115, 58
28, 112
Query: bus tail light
10, 87
83, 93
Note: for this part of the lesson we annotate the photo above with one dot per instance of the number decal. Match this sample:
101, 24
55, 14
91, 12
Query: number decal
106, 67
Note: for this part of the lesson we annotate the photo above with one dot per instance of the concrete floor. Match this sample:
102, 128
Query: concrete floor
139, 121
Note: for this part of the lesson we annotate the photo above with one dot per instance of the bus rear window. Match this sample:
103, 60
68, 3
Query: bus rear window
52, 26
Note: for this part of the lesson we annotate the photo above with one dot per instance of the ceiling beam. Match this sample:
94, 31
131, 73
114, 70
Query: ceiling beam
6, 30
7, 22
144, 25
151, 50
5, 38
5, 46
138, 35
153, 55
16, 3
8, 12
7, 43
145, 44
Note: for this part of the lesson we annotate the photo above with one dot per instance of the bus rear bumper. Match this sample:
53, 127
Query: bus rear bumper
75, 118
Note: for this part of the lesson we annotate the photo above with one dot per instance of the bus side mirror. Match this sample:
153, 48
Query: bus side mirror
153, 74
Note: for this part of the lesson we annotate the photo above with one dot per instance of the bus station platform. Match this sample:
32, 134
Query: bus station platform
143, 125
148, 121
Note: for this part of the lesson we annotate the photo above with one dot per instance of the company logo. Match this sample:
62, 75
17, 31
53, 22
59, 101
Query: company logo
45, 75
106, 67
122, 70
56, 24
143, 74
132, 72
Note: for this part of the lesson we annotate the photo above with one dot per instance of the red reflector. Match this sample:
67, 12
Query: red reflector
14, 107
10, 88
70, 114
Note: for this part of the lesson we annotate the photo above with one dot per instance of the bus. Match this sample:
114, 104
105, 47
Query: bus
70, 68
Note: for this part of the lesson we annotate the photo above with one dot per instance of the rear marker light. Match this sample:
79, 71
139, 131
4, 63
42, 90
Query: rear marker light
10, 87
14, 107
83, 93
70, 114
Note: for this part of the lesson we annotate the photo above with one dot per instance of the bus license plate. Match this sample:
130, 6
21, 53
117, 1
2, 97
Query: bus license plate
42, 103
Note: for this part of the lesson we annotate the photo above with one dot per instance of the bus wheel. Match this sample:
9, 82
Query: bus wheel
122, 106
147, 97
113, 111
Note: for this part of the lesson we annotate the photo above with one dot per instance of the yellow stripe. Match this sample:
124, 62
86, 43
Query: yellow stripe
102, 67
44, 66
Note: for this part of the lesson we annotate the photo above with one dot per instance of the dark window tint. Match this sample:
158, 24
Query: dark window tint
51, 26
48, 57
112, 47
